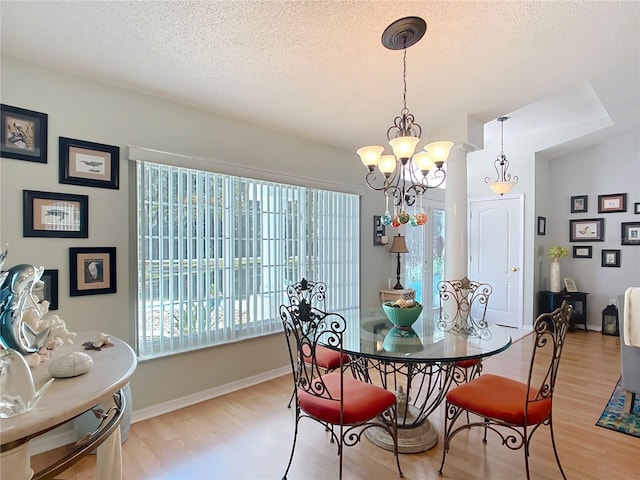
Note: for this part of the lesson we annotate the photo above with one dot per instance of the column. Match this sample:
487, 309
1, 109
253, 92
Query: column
455, 204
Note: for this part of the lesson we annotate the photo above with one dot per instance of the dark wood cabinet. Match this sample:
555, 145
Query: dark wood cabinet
549, 301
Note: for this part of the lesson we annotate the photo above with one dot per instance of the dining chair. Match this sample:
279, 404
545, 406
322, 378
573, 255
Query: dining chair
306, 294
514, 410
463, 308
334, 399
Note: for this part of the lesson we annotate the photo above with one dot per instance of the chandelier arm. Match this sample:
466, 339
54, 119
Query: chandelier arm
372, 177
413, 192
439, 176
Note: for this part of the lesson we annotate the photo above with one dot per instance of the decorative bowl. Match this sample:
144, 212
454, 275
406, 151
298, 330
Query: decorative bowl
402, 316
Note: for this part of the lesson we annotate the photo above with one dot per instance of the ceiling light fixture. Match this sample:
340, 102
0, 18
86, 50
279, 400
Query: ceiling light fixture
505, 182
406, 175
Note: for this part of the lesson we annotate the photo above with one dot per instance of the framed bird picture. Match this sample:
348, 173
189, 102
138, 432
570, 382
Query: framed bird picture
586, 230
88, 163
58, 215
23, 134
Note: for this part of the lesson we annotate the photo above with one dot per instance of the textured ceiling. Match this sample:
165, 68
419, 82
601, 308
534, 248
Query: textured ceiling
318, 69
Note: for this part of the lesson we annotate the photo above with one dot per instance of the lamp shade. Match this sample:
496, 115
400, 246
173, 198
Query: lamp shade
403, 147
501, 187
370, 156
399, 245
423, 161
439, 151
387, 164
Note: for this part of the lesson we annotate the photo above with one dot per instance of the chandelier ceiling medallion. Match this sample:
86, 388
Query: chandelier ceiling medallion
406, 174
505, 182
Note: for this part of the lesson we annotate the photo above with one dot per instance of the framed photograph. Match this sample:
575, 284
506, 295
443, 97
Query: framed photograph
630, 233
570, 285
49, 291
579, 204
48, 214
582, 251
610, 258
590, 230
88, 163
542, 225
24, 134
616, 202
92, 270
636, 208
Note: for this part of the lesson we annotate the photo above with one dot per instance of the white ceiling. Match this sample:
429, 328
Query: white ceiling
317, 69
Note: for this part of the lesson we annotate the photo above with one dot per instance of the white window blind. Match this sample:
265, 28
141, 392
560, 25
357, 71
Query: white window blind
215, 253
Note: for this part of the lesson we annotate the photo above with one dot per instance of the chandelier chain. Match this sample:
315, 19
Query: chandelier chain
404, 77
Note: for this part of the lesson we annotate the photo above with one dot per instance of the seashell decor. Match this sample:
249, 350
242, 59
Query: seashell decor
70, 364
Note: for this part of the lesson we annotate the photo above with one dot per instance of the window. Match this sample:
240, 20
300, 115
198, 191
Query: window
215, 253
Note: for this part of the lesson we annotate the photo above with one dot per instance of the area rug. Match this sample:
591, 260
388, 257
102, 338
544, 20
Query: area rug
614, 418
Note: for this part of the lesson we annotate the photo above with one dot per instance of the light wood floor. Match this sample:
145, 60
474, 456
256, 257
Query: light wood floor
247, 434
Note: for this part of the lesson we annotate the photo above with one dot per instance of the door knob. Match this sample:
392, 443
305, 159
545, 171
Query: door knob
514, 269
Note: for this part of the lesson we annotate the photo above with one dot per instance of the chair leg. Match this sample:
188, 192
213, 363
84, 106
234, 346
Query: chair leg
555, 451
293, 447
293, 394
629, 400
449, 421
484, 437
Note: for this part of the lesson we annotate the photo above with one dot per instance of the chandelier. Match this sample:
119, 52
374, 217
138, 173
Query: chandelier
406, 175
505, 182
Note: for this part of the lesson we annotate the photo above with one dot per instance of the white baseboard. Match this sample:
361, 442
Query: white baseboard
65, 434
182, 402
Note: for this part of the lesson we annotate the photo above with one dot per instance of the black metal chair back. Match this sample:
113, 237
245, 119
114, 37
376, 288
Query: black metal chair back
463, 306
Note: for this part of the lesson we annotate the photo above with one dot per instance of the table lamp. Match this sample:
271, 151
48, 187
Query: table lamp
399, 245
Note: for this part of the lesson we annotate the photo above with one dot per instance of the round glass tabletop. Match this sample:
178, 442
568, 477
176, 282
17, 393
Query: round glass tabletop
369, 333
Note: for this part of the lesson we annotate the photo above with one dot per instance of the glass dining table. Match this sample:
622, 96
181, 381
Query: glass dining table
417, 363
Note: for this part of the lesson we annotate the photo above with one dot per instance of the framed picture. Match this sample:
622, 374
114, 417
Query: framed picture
24, 134
542, 225
610, 258
88, 163
579, 203
48, 214
616, 202
630, 233
590, 230
582, 251
92, 270
49, 290
570, 285
636, 208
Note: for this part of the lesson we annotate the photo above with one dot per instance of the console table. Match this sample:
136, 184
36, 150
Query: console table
549, 301
66, 399
393, 295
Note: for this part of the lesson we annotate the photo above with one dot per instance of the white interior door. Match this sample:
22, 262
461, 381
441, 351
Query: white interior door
496, 239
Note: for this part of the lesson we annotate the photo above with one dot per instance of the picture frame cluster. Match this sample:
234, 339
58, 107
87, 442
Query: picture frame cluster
81, 163
593, 229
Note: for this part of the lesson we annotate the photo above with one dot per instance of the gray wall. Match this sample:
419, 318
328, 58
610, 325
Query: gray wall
610, 167
88, 110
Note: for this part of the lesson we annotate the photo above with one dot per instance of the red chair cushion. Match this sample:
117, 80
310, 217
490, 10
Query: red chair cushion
326, 358
362, 401
501, 398
468, 363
